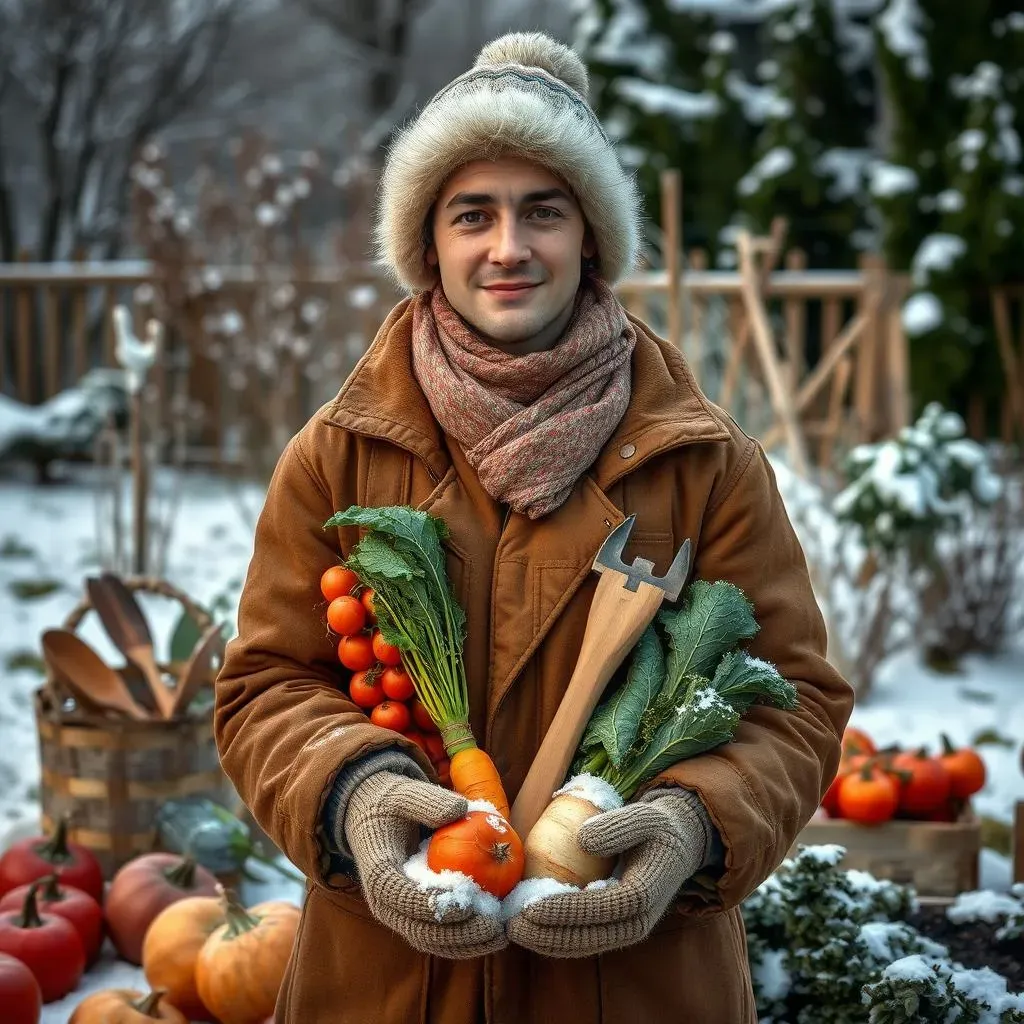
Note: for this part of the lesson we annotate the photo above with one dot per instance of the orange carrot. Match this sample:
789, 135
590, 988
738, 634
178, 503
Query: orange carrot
474, 776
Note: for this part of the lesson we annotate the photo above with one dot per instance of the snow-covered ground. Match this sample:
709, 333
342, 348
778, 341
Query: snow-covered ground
50, 535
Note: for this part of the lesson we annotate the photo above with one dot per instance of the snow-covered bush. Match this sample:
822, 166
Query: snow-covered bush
902, 492
832, 946
941, 508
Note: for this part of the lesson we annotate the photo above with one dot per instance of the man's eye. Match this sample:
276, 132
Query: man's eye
547, 213
469, 217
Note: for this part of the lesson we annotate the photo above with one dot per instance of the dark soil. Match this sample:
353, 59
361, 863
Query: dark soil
973, 944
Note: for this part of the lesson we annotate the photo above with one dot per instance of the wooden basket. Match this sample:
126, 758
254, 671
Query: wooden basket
936, 858
110, 775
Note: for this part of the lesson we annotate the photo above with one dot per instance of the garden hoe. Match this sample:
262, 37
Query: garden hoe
626, 600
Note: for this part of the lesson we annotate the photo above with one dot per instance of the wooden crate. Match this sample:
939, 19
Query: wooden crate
936, 858
1018, 842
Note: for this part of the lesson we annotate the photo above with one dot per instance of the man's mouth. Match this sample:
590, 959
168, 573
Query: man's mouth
511, 287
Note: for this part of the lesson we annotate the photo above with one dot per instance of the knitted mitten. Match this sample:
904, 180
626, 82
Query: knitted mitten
382, 828
665, 839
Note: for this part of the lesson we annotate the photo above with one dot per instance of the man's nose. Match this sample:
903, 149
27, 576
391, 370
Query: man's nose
510, 245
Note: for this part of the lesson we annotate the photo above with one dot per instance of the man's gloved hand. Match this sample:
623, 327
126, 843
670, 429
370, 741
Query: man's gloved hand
382, 829
665, 839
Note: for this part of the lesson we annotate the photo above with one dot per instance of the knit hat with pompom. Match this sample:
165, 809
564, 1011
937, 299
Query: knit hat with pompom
526, 95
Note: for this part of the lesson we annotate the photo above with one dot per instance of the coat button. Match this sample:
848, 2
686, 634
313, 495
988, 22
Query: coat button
627, 451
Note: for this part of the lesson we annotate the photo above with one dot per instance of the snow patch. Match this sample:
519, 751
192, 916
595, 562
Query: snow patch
669, 100
921, 313
776, 162
450, 890
589, 787
889, 180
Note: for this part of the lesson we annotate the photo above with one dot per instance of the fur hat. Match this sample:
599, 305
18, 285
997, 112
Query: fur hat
526, 95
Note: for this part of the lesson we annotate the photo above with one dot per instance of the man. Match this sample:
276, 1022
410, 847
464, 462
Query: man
513, 397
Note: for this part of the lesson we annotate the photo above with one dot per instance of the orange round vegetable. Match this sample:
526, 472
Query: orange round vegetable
387, 654
346, 616
366, 599
126, 1006
856, 741
241, 965
483, 846
356, 652
421, 716
923, 782
337, 581
365, 690
868, 796
966, 770
172, 945
391, 714
397, 683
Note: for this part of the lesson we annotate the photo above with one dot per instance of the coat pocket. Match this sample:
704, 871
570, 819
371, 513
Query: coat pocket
346, 968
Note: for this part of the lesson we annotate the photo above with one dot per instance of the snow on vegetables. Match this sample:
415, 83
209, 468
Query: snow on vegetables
668, 707
401, 559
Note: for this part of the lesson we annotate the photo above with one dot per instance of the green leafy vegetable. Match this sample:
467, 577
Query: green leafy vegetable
615, 723
705, 721
713, 619
668, 709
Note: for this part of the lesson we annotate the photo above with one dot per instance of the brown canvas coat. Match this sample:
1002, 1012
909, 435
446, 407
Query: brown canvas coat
285, 728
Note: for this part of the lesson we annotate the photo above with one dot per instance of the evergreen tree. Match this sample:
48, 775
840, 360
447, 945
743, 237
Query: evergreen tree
954, 90
658, 71
812, 153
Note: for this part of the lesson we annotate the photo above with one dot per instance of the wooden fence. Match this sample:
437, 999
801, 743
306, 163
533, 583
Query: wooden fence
809, 359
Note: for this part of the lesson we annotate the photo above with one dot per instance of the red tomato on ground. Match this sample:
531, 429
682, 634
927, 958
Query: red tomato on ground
365, 690
65, 901
417, 738
338, 581
49, 946
19, 992
391, 714
356, 652
435, 746
387, 654
397, 684
346, 616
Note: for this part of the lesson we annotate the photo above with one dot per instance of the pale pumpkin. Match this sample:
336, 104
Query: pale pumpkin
126, 1006
241, 965
171, 946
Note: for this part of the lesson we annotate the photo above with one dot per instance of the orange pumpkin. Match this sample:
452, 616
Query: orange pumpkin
856, 741
126, 1006
241, 965
482, 845
171, 946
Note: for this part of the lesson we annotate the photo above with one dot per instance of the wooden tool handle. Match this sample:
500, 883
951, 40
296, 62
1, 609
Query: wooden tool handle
617, 618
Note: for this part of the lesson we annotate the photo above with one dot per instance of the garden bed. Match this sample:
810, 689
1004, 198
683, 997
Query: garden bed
972, 943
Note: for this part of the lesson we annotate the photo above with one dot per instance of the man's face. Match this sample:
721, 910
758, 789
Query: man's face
508, 240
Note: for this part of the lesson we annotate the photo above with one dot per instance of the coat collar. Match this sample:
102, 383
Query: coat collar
382, 399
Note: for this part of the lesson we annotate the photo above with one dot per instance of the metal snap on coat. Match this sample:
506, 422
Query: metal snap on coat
285, 728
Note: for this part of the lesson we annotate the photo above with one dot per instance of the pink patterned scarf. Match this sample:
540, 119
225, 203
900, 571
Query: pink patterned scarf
530, 425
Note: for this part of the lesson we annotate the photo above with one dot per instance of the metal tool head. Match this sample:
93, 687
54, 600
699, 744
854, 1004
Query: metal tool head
642, 570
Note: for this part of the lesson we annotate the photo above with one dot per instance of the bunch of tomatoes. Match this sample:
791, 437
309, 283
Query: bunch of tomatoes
873, 786
379, 683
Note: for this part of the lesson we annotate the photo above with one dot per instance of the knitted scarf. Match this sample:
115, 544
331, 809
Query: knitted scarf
530, 425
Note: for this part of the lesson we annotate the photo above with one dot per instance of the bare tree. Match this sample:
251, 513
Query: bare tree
378, 35
83, 83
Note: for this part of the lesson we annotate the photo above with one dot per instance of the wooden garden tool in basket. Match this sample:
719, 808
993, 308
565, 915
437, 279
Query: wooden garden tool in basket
111, 773
626, 600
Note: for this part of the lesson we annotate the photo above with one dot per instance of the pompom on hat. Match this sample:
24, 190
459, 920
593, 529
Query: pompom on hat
526, 95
